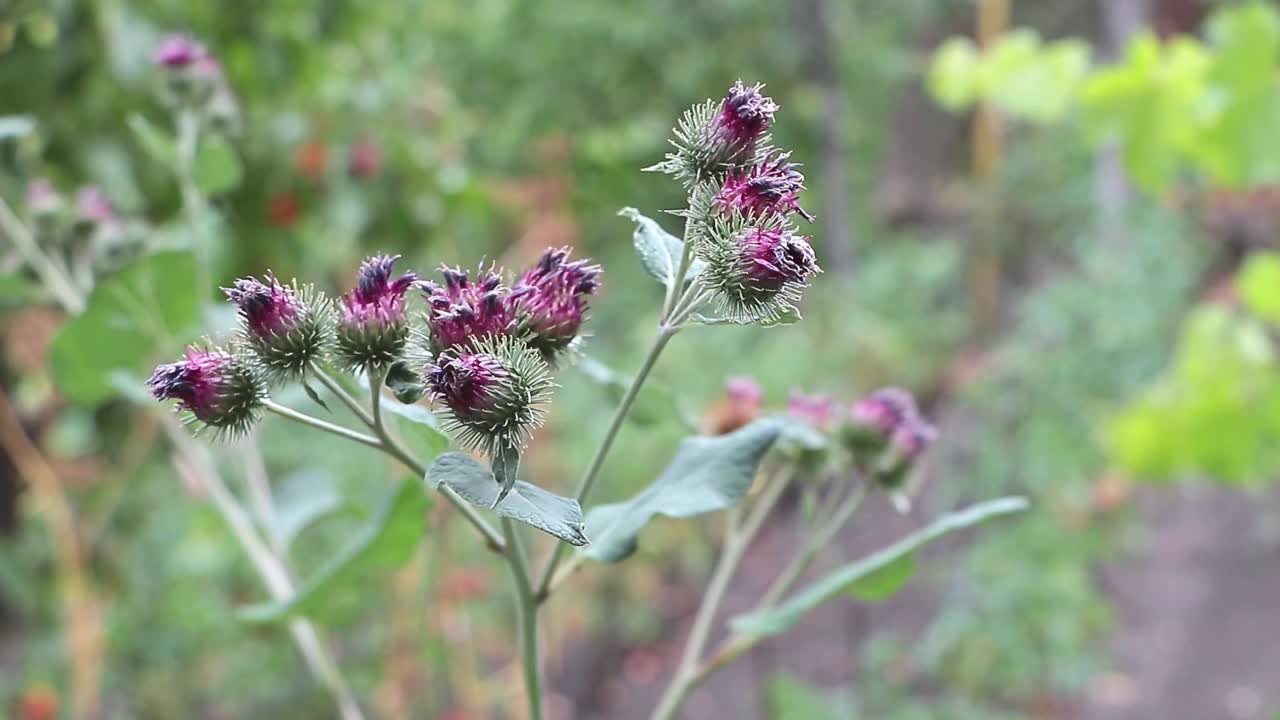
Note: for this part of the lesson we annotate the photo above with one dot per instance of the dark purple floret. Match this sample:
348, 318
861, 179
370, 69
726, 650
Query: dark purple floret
460, 310
551, 298
198, 383
178, 51
912, 437
268, 308
745, 114
772, 187
772, 258
468, 384
377, 299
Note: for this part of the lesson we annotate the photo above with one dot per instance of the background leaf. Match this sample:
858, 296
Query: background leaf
529, 504
707, 474
217, 167
385, 543
779, 619
149, 306
303, 499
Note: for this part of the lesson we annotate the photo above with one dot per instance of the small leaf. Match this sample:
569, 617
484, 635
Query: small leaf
127, 319
16, 126
315, 397
773, 621
304, 499
154, 142
217, 167
529, 504
382, 545
659, 250
404, 383
885, 582
506, 465
707, 474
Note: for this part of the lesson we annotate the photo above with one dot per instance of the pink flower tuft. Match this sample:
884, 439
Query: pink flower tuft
462, 310
771, 188
268, 308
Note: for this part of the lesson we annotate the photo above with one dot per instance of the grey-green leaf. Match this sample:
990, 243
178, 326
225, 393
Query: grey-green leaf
217, 168
385, 543
707, 474
779, 619
138, 311
659, 250
529, 504
304, 498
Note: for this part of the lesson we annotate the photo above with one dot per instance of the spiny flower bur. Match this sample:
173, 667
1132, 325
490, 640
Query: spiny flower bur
715, 138
373, 325
288, 329
770, 188
757, 272
463, 311
550, 301
490, 393
214, 387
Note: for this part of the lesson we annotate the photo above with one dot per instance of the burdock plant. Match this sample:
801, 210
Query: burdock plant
482, 349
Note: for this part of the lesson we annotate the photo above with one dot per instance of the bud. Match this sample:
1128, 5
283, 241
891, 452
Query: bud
715, 138
93, 206
550, 301
491, 392
771, 188
42, 199
462, 312
758, 272
217, 388
192, 75
874, 418
287, 329
374, 327
817, 411
907, 443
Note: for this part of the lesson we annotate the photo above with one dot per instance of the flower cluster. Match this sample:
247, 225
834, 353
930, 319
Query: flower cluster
743, 193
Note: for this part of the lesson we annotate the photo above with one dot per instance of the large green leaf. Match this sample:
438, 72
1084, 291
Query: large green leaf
151, 305
385, 543
707, 474
526, 503
773, 621
659, 250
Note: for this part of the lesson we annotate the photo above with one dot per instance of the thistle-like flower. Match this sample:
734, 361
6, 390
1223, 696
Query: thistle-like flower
491, 391
192, 75
178, 51
907, 443
462, 311
715, 138
286, 328
874, 419
42, 198
550, 301
373, 328
217, 388
771, 188
757, 273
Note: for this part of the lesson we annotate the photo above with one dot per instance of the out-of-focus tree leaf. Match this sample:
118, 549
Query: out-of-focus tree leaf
1259, 286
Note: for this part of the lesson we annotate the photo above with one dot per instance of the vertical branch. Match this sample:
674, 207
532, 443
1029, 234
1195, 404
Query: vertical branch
526, 617
988, 147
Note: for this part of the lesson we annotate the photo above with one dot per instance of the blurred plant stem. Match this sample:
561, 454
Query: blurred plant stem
194, 464
526, 617
55, 278
81, 611
194, 204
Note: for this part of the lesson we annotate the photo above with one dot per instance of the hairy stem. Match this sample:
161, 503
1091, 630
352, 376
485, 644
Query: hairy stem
322, 425
526, 618
737, 539
341, 393
665, 332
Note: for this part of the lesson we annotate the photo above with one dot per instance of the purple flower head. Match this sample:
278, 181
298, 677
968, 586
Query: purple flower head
912, 437
772, 258
744, 115
773, 187
470, 385
365, 160
550, 299
42, 198
818, 411
377, 299
178, 51
462, 310
93, 206
884, 410
268, 308
744, 393
213, 385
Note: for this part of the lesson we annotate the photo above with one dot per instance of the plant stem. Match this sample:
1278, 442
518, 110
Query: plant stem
664, 334
341, 393
194, 204
55, 281
526, 617
816, 542
677, 281
390, 446
737, 540
323, 425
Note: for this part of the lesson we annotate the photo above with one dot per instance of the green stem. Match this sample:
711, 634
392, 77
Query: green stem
665, 332
61, 286
194, 204
526, 618
737, 540
341, 393
816, 542
319, 424
677, 282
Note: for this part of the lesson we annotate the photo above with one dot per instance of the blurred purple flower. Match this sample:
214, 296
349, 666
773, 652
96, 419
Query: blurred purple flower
93, 206
884, 411
179, 51
912, 437
819, 411
42, 198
